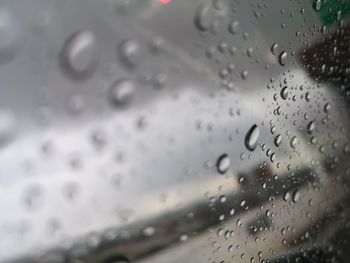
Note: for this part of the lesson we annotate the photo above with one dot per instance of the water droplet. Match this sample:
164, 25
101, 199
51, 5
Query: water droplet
76, 104
311, 126
272, 157
156, 44
222, 199
159, 80
283, 58
293, 142
284, 92
327, 107
121, 92
202, 18
129, 52
149, 231
274, 48
307, 96
183, 238
33, 197
251, 138
98, 139
233, 27
244, 74
287, 196
71, 191
273, 129
317, 5
250, 52
79, 55
295, 196
278, 140
223, 163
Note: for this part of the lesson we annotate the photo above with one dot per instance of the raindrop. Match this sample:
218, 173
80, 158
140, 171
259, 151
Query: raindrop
98, 139
284, 92
202, 18
273, 129
71, 191
159, 80
327, 107
121, 92
250, 52
222, 46
311, 127
251, 138
223, 163
317, 5
307, 96
274, 48
295, 196
278, 140
283, 58
130, 53
149, 231
287, 196
156, 44
272, 157
222, 199
79, 55
33, 197
293, 142
233, 27
244, 74
183, 238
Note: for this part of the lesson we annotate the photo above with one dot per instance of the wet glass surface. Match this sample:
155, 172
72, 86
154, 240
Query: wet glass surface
174, 131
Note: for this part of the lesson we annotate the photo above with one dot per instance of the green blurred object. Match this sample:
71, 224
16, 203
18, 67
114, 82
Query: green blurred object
332, 11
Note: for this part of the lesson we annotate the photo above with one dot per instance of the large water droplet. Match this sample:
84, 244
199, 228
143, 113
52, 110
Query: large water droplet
295, 196
272, 157
251, 138
233, 27
311, 127
121, 92
202, 18
130, 53
327, 107
283, 58
223, 163
293, 142
287, 196
149, 231
250, 52
79, 55
274, 48
317, 5
278, 140
284, 92
244, 74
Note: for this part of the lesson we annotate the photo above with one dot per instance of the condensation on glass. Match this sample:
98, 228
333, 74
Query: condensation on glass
171, 131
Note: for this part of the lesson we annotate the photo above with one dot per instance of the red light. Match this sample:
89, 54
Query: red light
165, 2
